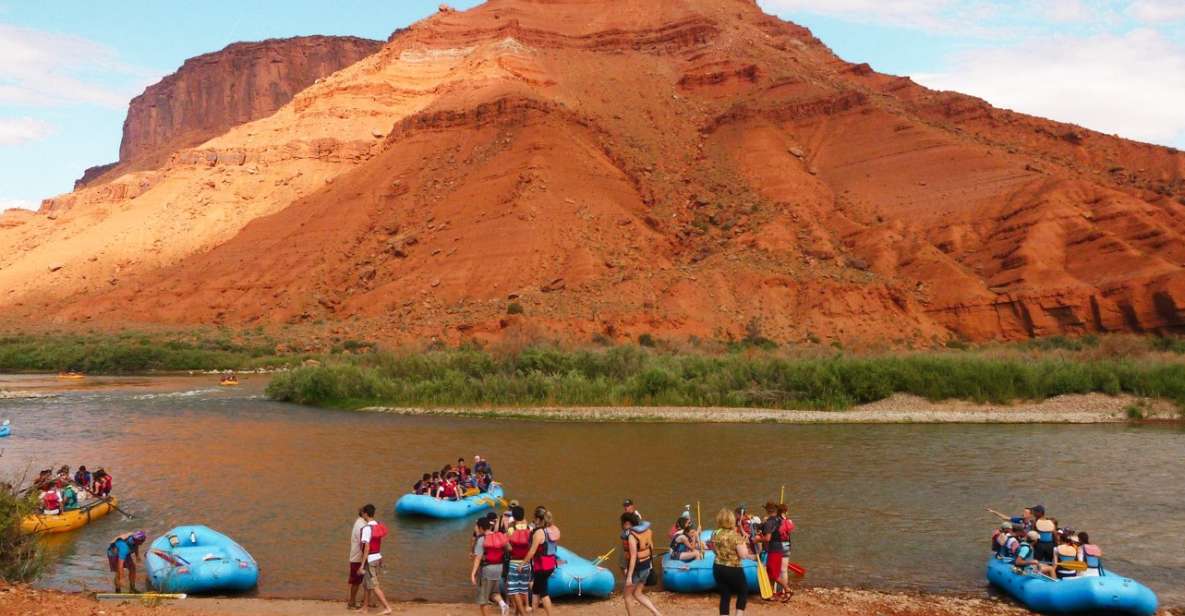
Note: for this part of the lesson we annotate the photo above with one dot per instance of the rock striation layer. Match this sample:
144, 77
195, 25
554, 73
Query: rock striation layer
216, 91
685, 168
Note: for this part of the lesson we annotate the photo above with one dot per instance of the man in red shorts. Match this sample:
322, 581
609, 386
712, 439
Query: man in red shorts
773, 537
356, 572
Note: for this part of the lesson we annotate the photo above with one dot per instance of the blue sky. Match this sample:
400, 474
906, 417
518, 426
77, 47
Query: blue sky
68, 68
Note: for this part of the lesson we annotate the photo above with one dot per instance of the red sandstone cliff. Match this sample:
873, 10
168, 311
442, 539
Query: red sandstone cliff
681, 167
215, 91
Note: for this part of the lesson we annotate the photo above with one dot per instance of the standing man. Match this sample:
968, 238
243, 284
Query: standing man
356, 574
772, 535
122, 554
371, 538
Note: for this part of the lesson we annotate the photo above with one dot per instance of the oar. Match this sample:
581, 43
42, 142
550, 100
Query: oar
143, 596
797, 569
107, 499
782, 498
699, 517
763, 585
1072, 565
603, 557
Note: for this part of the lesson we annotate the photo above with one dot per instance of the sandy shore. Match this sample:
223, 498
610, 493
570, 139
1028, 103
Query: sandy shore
898, 409
25, 601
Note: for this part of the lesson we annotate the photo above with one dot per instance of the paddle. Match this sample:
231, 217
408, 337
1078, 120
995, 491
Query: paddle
1072, 565
603, 557
767, 589
142, 595
797, 569
109, 501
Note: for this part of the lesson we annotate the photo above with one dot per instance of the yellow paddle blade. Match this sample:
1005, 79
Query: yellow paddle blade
767, 589
1073, 565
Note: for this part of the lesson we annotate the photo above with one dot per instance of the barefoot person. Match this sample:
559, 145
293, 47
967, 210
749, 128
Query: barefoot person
489, 557
637, 553
371, 538
122, 555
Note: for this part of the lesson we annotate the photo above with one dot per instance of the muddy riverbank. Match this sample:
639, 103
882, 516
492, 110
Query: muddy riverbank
897, 409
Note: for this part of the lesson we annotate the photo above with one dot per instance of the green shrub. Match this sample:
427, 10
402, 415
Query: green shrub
514, 308
646, 340
21, 556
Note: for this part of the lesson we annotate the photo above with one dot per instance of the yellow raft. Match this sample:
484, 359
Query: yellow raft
67, 521
229, 383
71, 375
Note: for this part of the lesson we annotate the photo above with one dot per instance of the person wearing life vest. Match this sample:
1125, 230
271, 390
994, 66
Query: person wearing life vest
482, 482
1046, 529
1011, 543
1065, 552
371, 540
1000, 538
1026, 559
423, 486
51, 500
123, 553
69, 498
462, 469
773, 537
787, 528
82, 478
637, 552
481, 465
685, 544
518, 571
102, 484
1088, 553
544, 539
489, 559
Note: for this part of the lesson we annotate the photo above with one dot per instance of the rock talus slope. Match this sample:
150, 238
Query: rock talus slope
681, 167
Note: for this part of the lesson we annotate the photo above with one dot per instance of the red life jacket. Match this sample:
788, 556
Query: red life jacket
52, 501
785, 528
377, 532
495, 549
450, 490
520, 541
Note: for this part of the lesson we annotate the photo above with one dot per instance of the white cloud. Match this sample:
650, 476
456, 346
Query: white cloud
1158, 11
21, 130
11, 204
1127, 84
920, 14
44, 68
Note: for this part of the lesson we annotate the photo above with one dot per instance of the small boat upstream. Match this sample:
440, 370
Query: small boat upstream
68, 520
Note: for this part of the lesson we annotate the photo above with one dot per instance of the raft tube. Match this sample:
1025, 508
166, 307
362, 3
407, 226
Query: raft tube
1108, 593
5, 429
429, 507
212, 564
578, 577
695, 576
71, 519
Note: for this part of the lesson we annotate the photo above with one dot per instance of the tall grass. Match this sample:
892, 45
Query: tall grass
21, 557
133, 352
637, 376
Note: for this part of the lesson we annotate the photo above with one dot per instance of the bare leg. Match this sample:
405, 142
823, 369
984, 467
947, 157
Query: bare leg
378, 592
640, 595
353, 594
625, 598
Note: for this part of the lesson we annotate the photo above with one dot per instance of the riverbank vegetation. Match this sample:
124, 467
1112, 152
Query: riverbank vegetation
21, 557
633, 375
133, 352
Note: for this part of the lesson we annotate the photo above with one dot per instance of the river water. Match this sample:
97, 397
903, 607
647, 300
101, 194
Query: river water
886, 507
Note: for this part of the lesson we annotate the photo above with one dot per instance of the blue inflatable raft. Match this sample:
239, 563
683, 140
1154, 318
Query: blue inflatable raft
429, 507
202, 561
695, 576
5, 429
1107, 593
578, 577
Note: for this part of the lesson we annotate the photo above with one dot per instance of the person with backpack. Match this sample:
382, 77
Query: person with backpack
518, 574
637, 560
773, 539
544, 539
122, 555
489, 558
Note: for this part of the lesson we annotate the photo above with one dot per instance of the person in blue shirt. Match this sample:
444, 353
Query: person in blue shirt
123, 554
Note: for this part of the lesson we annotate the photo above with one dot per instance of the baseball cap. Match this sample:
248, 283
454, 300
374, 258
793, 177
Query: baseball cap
627, 503
1038, 509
